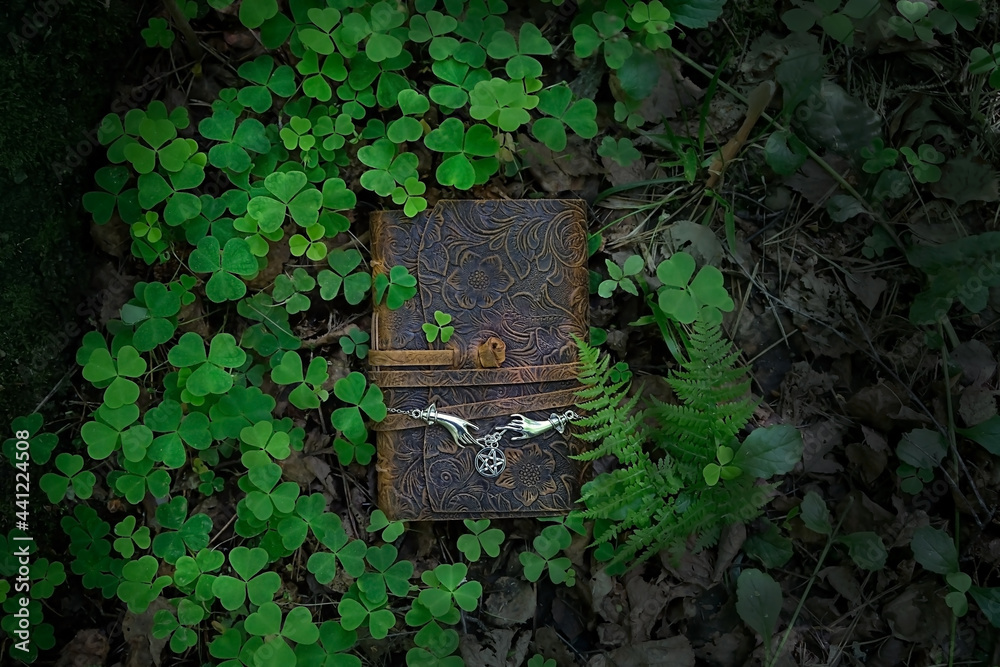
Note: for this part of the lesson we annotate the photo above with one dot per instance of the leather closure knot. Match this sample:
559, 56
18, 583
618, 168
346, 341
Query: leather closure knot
492, 353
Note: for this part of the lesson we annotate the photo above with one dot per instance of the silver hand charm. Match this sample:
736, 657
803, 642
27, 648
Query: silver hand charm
490, 460
528, 428
458, 427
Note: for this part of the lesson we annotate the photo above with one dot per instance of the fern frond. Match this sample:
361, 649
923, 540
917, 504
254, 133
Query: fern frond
656, 505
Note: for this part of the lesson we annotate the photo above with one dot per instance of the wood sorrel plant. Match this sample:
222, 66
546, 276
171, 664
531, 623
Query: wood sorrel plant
213, 194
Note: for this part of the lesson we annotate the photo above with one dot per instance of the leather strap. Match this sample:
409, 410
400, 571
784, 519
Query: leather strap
474, 377
486, 409
411, 357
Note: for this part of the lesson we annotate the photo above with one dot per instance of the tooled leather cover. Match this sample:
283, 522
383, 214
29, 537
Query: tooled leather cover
513, 269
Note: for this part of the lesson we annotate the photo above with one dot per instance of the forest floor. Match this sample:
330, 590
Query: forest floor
858, 235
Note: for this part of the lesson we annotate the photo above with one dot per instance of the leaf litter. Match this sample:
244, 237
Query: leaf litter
688, 612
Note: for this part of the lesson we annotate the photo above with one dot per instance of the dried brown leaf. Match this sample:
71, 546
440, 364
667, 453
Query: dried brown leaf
88, 647
976, 361
976, 405
813, 182
137, 629
842, 580
646, 601
559, 172
866, 287
675, 652
919, 614
510, 602
818, 441
730, 542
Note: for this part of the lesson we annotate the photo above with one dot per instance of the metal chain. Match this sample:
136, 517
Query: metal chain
490, 461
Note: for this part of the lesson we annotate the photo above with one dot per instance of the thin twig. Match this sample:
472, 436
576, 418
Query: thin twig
805, 594
824, 165
194, 47
872, 354
54, 389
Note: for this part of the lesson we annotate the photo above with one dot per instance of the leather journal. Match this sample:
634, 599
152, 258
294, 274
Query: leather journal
480, 426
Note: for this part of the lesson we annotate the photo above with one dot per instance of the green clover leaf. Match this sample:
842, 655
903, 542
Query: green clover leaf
683, 298
448, 586
289, 196
194, 574
409, 194
104, 435
183, 533
621, 151
355, 285
263, 436
235, 143
291, 291
605, 32
482, 539
298, 625
129, 538
102, 205
356, 343
391, 530
56, 486
40, 445
387, 168
158, 33
155, 311
925, 161
224, 265
350, 553
460, 169
878, 157
520, 64
253, 13
550, 542
309, 513
397, 287
501, 103
579, 116
356, 613
209, 374
178, 431
140, 585
308, 392
355, 391
260, 588
389, 575
434, 27
459, 79
382, 42
432, 331
621, 276
316, 83
261, 71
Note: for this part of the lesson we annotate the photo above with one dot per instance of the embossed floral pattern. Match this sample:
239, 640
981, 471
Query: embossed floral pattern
479, 283
529, 474
516, 270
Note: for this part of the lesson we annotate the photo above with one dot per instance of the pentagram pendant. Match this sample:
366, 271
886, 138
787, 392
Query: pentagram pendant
490, 461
